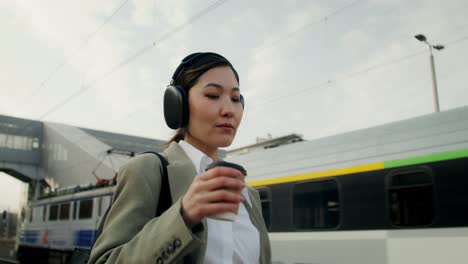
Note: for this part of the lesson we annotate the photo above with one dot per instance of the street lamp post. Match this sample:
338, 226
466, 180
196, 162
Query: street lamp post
422, 38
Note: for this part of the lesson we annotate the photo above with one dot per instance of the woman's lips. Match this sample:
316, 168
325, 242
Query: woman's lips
226, 127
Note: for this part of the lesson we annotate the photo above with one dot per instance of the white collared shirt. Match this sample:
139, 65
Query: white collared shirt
228, 242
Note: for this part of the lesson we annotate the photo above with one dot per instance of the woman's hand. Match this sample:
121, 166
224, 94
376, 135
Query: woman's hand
214, 191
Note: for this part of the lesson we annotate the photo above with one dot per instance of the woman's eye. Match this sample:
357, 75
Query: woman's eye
212, 96
236, 99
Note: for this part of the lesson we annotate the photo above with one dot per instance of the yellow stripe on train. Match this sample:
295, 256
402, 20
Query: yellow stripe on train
318, 175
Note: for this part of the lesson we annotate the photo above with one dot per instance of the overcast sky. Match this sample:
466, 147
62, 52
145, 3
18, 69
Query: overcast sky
315, 68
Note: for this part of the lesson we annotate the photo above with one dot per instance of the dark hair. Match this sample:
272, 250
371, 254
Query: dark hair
189, 71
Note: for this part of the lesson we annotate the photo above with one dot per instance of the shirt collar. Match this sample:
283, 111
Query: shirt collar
198, 158
201, 161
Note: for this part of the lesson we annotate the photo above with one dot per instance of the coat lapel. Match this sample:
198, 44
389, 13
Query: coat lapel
257, 221
181, 172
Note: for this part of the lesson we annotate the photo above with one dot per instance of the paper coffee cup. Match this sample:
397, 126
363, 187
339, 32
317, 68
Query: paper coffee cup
227, 216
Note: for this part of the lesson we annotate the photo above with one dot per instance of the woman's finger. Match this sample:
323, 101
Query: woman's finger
221, 182
219, 196
215, 208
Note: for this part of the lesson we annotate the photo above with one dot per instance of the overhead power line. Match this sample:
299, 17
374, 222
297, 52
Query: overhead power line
353, 74
124, 62
131, 58
456, 41
276, 41
325, 83
344, 77
83, 44
291, 34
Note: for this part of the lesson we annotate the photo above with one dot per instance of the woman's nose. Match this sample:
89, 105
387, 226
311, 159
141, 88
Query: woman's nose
227, 108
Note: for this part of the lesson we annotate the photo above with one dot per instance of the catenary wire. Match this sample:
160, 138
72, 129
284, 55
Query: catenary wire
273, 43
83, 44
291, 34
355, 73
126, 61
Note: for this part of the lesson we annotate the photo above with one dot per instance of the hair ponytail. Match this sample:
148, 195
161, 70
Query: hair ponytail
179, 135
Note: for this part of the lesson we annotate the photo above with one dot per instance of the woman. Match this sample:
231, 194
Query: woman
205, 103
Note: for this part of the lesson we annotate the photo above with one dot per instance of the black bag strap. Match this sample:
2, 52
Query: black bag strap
165, 200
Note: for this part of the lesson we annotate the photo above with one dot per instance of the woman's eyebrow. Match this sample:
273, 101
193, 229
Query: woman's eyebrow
219, 86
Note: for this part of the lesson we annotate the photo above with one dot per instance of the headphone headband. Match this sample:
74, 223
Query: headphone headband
190, 60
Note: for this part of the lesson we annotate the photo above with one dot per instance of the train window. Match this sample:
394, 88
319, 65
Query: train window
65, 211
75, 208
86, 209
316, 205
34, 214
99, 206
265, 198
410, 198
53, 212
44, 213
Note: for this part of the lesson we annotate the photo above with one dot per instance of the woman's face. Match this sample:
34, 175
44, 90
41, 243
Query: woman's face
215, 109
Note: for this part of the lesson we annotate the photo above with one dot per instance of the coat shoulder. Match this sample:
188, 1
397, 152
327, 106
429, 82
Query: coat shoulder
142, 171
143, 160
141, 165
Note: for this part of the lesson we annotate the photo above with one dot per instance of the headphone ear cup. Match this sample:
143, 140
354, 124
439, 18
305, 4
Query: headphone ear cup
176, 110
242, 101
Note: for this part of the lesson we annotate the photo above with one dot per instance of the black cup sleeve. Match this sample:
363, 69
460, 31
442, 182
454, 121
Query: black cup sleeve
222, 163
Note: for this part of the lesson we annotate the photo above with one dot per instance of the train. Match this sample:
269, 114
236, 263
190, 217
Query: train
394, 193
54, 226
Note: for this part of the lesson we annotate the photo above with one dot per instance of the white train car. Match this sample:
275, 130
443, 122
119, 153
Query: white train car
394, 194
56, 225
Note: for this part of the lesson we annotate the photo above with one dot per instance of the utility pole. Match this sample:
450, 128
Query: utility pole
422, 38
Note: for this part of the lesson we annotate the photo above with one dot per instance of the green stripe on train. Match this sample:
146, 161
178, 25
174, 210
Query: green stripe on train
428, 158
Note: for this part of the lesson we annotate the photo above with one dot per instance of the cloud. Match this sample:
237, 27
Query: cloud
254, 35
114, 91
392, 91
45, 24
357, 39
143, 12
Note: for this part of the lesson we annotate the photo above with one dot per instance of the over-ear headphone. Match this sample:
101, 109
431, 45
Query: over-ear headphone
176, 106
